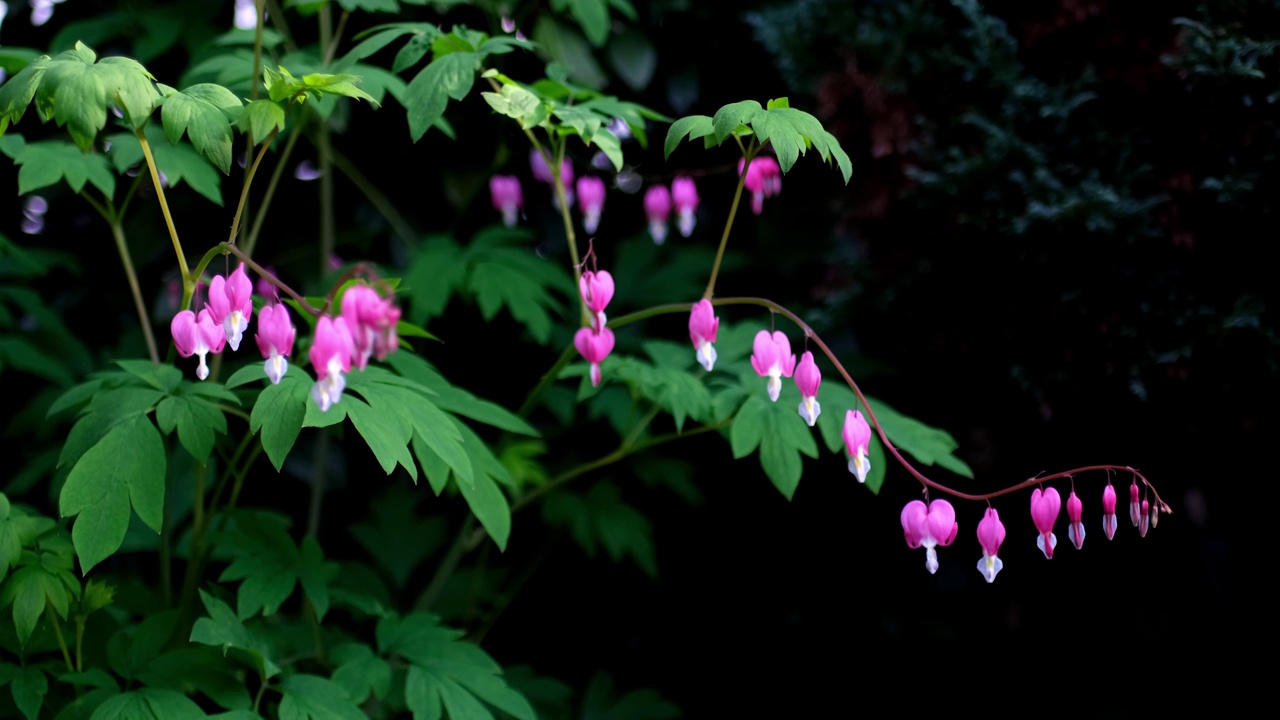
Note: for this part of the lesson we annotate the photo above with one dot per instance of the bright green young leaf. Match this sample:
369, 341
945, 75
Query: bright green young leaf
308, 697
205, 112
694, 126
260, 118
17, 92
447, 671
383, 35
223, 630
149, 704
359, 672
77, 89
44, 163
730, 118
517, 102
279, 413
179, 163
600, 518
125, 468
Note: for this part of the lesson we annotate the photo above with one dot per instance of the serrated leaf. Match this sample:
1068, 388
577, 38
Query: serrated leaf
17, 92
197, 422
125, 468
779, 433
260, 118
161, 377
693, 126
394, 518
76, 90
728, 118
279, 412
44, 163
412, 51
222, 629
178, 163
204, 112
450, 76
359, 672
308, 697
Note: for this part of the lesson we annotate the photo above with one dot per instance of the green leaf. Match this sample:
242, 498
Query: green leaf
489, 506
412, 51
205, 113
593, 16
44, 580
730, 118
437, 270
222, 629
16, 93
643, 704
133, 648
164, 378
202, 668
359, 672
517, 102
16, 530
260, 118
308, 697
126, 467
148, 704
447, 671
385, 434
279, 413
520, 281
567, 47
694, 126
454, 399
42, 164
394, 518
600, 518
76, 92
29, 686
779, 433
450, 76
197, 421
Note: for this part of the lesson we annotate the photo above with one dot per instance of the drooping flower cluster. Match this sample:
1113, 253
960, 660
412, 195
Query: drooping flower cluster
595, 341
763, 180
223, 321
365, 328
658, 201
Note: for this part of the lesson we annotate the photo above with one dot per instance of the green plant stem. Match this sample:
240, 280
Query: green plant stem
319, 480
324, 147
257, 699
112, 218
375, 196
569, 234
57, 631
251, 241
166, 557
332, 48
79, 643
728, 225
244, 190
255, 87
448, 565
531, 400
164, 208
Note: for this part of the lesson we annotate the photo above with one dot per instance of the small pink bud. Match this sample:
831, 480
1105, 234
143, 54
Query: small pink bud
990, 535
703, 325
275, 339
772, 358
763, 179
808, 378
1135, 505
591, 194
684, 194
1075, 530
1109, 511
929, 527
1144, 520
331, 353
507, 198
657, 207
265, 288
857, 439
1044, 513
594, 348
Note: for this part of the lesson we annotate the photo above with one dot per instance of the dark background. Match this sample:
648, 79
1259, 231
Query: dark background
1052, 247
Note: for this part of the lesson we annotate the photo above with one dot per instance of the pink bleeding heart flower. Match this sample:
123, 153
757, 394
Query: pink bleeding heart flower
197, 335
703, 325
594, 348
1075, 530
275, 339
597, 291
763, 180
990, 535
372, 321
507, 197
331, 354
929, 527
230, 304
1135, 505
684, 195
808, 378
857, 440
265, 288
1109, 511
1044, 513
1144, 520
772, 358
591, 194
657, 207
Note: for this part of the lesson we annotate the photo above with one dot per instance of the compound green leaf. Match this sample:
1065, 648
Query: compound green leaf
44, 163
149, 704
279, 412
179, 163
593, 16
693, 126
197, 421
359, 672
731, 117
126, 467
17, 92
222, 629
448, 76
260, 118
599, 518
